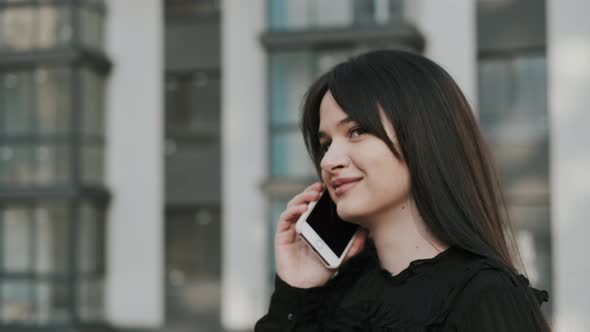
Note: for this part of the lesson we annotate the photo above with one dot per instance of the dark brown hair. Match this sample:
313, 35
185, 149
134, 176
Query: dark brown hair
453, 181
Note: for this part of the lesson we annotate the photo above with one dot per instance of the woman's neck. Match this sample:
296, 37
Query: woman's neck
401, 237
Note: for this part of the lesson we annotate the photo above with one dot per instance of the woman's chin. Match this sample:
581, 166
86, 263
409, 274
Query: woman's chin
348, 214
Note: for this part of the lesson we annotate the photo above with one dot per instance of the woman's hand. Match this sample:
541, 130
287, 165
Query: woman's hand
296, 262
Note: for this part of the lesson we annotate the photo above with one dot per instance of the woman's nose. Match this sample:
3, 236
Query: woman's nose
334, 158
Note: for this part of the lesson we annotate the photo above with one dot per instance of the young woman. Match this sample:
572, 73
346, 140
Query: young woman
400, 153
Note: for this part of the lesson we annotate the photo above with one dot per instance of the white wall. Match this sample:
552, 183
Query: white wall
244, 148
134, 287
568, 55
449, 27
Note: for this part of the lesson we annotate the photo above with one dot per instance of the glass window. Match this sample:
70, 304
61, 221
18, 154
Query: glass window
286, 14
18, 164
205, 100
93, 163
193, 103
513, 105
184, 11
52, 164
341, 12
26, 164
524, 168
193, 266
17, 302
51, 239
289, 156
35, 102
53, 100
30, 25
54, 26
52, 302
91, 29
93, 103
25, 302
18, 28
513, 117
38, 253
35, 113
91, 299
88, 240
290, 75
17, 239
36, 241
18, 108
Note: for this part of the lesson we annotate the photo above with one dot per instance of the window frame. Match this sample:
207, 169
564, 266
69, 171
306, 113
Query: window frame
76, 56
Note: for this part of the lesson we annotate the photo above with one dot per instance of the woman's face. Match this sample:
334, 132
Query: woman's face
360, 172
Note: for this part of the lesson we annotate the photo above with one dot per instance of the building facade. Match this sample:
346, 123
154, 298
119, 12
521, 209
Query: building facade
147, 147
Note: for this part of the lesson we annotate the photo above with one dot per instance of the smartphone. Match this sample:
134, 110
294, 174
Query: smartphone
329, 236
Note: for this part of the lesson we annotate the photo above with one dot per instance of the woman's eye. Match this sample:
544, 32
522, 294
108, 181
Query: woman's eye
324, 147
357, 131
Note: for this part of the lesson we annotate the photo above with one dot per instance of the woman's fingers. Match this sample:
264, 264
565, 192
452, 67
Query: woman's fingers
310, 194
317, 186
290, 215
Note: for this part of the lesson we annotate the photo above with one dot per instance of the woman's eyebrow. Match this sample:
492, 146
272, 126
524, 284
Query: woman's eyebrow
346, 120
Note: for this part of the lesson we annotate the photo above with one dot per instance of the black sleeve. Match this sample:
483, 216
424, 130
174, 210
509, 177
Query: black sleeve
494, 301
302, 310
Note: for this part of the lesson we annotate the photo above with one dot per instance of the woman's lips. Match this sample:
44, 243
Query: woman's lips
340, 190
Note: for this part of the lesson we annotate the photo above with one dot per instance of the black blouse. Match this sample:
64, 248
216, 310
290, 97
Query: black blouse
454, 291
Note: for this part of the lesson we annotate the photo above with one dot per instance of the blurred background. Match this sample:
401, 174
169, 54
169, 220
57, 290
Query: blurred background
147, 147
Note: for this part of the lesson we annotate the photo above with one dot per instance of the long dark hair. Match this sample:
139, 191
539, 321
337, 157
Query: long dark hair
453, 179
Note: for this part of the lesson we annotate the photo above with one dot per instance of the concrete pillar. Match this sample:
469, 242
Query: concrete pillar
449, 27
568, 58
134, 171
244, 155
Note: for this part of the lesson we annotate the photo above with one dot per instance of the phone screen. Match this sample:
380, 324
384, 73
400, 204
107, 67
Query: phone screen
335, 232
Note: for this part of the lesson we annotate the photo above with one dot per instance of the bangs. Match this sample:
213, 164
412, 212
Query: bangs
356, 89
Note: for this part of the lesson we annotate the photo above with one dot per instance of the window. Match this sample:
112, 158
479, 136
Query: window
286, 14
39, 25
52, 196
38, 239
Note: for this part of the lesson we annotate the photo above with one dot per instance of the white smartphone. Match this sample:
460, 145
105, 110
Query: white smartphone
328, 235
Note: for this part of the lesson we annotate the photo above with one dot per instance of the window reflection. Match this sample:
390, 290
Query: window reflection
287, 14
192, 103
92, 100
54, 26
89, 236
91, 299
52, 235
30, 25
53, 100
18, 28
17, 302
92, 163
51, 300
35, 241
17, 107
91, 27
36, 150
16, 239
